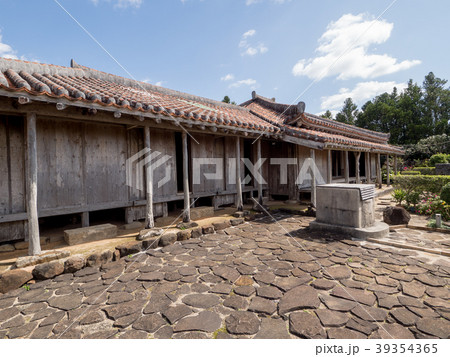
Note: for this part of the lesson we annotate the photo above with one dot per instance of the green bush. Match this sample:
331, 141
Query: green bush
411, 172
421, 183
412, 198
445, 193
399, 195
426, 170
438, 159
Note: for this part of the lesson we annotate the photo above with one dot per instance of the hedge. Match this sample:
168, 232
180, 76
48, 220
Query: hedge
421, 183
426, 170
410, 173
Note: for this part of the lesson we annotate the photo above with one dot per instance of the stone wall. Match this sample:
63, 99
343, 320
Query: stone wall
442, 169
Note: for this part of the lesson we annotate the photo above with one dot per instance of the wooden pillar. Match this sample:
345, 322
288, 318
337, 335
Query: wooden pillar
379, 178
34, 243
85, 219
388, 174
313, 177
368, 168
329, 166
239, 203
258, 158
346, 167
395, 165
149, 217
187, 202
357, 169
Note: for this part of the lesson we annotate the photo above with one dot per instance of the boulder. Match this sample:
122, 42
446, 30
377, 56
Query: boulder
74, 263
186, 225
7, 248
208, 229
395, 215
48, 270
149, 233
219, 226
167, 239
14, 279
129, 248
46, 256
183, 235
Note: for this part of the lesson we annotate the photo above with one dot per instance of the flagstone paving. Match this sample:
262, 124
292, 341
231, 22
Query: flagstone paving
249, 281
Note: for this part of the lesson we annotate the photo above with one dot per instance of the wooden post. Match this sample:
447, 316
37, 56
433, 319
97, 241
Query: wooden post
330, 167
149, 217
395, 165
346, 167
258, 158
239, 203
357, 169
379, 178
313, 177
85, 219
34, 243
187, 202
368, 168
388, 174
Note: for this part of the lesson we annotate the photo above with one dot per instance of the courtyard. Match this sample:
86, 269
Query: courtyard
267, 278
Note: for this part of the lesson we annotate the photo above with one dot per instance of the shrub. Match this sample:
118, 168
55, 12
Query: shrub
426, 170
399, 195
412, 198
421, 183
432, 204
411, 172
438, 159
445, 193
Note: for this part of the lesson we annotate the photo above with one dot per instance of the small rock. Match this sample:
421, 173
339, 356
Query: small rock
167, 238
48, 270
236, 221
186, 225
14, 279
129, 248
219, 226
149, 233
183, 235
208, 229
74, 263
196, 232
395, 215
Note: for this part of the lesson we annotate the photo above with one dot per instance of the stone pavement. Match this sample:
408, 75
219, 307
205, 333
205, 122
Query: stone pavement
251, 281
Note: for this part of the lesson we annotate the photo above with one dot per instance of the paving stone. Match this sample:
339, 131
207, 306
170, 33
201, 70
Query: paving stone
424, 313
337, 304
69, 302
41, 333
370, 313
164, 332
344, 333
287, 284
201, 300
152, 276
330, 318
92, 318
309, 267
235, 302
404, 316
323, 284
298, 257
199, 288
14, 322
402, 276
438, 304
14, 279
119, 297
409, 301
438, 292
21, 331
226, 273
53, 318
6, 314
362, 326
133, 334
273, 329
265, 277
413, 289
269, 292
129, 276
354, 295
101, 335
384, 280
173, 314
388, 302
221, 288
415, 270
430, 280
306, 325
158, 302
42, 313
34, 296
125, 321
242, 323
149, 323
119, 310
261, 305
396, 331
337, 273
301, 297
435, 327
244, 280
245, 290
206, 321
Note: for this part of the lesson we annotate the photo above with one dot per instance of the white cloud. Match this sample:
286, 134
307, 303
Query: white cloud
6, 50
228, 77
344, 51
244, 82
122, 4
362, 92
159, 83
249, 49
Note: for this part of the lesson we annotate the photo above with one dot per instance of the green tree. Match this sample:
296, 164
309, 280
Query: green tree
227, 99
327, 115
436, 105
348, 112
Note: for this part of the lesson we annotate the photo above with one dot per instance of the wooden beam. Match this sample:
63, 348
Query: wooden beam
258, 158
313, 178
379, 170
34, 246
368, 168
395, 165
187, 202
239, 202
346, 167
357, 169
388, 174
149, 218
329, 166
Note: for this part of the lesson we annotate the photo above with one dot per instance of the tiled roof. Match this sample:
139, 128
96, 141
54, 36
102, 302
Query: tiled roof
86, 85
312, 127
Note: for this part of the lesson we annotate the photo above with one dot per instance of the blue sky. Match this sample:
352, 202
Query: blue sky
319, 51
